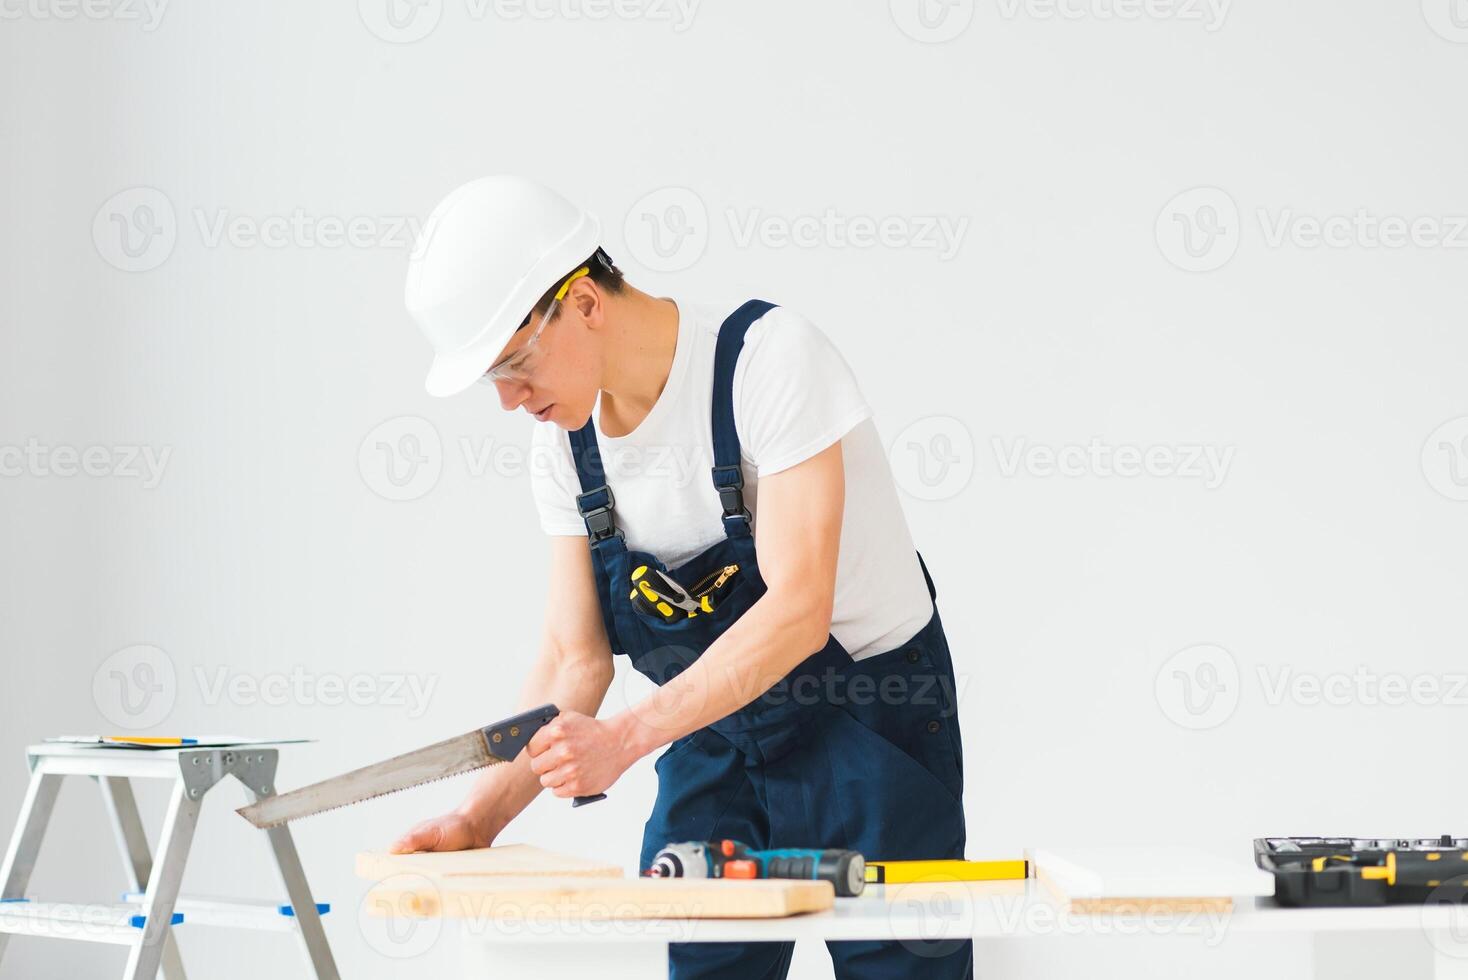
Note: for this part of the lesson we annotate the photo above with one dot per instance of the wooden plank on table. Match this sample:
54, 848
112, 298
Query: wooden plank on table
1151, 880
1149, 872
1160, 905
488, 898
520, 860
1152, 906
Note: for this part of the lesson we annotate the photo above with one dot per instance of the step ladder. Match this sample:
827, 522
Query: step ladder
144, 918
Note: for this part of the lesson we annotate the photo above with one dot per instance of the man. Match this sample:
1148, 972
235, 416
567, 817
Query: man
806, 686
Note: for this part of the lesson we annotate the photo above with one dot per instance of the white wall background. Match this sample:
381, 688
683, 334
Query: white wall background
1080, 300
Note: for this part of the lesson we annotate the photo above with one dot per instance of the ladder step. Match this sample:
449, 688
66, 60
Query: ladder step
120, 924
289, 910
238, 913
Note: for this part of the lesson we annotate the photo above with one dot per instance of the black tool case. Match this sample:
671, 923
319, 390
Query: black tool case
1292, 861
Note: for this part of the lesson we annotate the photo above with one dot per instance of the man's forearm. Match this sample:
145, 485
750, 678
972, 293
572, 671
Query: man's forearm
747, 659
503, 791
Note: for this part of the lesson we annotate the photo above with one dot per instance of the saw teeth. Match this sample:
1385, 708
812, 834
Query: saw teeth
387, 792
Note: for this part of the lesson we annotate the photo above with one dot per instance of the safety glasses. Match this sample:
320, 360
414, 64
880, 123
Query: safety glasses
520, 363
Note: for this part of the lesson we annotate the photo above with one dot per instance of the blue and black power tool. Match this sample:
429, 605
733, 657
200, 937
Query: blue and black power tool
845, 870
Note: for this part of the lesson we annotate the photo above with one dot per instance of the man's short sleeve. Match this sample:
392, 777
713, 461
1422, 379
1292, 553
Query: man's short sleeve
553, 480
794, 394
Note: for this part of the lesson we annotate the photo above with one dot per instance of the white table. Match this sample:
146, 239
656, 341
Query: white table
556, 945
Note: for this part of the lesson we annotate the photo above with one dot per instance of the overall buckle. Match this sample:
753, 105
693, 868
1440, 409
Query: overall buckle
598, 517
730, 486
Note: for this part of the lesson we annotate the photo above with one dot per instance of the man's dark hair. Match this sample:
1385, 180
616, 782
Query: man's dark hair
603, 272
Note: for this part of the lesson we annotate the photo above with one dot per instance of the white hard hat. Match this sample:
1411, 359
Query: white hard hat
487, 253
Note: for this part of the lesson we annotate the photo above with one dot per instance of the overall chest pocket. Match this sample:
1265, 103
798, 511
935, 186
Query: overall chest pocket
690, 605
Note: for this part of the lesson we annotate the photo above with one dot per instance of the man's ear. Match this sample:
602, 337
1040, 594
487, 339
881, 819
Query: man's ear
585, 298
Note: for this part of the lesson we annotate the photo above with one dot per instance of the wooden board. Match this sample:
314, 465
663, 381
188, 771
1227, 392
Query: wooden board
1149, 872
538, 898
1152, 906
1160, 905
519, 860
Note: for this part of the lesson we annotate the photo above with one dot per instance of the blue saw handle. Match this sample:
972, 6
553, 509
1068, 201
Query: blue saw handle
506, 738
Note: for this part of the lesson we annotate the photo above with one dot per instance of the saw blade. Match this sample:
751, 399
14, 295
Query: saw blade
452, 756
488, 746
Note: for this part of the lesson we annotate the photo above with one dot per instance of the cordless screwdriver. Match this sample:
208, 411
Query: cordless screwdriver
846, 870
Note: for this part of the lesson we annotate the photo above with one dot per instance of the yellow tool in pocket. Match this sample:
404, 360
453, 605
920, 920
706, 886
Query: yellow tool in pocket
656, 594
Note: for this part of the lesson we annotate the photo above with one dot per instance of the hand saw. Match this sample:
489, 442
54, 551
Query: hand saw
488, 746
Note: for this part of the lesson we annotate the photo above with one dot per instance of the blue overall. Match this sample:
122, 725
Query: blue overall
864, 754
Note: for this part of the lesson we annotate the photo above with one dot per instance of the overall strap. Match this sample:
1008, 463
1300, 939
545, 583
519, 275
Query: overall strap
932, 589
594, 502
727, 472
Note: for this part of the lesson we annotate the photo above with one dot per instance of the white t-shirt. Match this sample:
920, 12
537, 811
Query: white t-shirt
794, 395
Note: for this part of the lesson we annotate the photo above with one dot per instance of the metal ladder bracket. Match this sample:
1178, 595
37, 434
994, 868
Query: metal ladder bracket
202, 769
